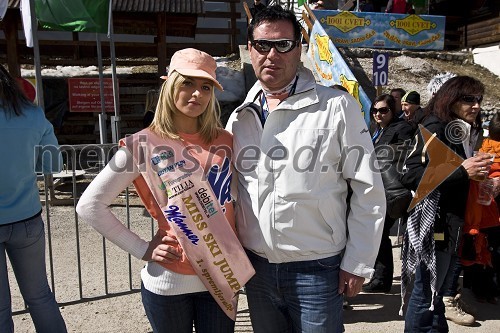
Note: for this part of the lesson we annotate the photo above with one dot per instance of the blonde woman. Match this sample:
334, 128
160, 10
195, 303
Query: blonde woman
180, 166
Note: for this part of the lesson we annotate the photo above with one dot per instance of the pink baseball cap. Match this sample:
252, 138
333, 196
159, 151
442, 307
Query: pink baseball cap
196, 63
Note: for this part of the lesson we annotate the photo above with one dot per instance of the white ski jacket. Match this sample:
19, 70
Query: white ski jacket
293, 175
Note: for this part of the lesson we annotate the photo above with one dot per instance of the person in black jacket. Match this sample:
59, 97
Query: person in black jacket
388, 133
385, 126
454, 119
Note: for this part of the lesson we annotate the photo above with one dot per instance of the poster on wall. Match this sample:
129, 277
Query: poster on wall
383, 30
331, 68
84, 95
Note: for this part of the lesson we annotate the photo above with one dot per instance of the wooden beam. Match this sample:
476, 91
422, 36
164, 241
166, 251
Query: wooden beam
162, 44
312, 17
305, 34
347, 5
76, 52
234, 44
10, 32
248, 12
221, 15
217, 31
483, 41
307, 20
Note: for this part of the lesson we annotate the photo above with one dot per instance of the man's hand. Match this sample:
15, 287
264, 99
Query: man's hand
350, 284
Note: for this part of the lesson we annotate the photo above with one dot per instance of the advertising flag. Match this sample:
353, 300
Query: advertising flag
73, 15
3, 8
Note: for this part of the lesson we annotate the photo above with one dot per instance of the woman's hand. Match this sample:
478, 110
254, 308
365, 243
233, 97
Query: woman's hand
478, 166
163, 248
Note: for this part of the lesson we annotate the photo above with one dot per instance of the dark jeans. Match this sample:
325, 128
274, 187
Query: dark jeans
295, 297
453, 290
177, 313
384, 264
418, 317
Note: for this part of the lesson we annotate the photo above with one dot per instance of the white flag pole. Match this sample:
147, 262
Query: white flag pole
115, 120
36, 53
3, 8
102, 116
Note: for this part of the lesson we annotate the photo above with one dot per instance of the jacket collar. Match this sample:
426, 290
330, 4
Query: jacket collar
305, 93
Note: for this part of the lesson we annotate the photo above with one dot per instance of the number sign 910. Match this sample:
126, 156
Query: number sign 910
380, 68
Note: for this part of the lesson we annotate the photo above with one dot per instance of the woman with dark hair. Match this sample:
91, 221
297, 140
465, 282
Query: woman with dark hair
435, 224
386, 127
29, 145
388, 133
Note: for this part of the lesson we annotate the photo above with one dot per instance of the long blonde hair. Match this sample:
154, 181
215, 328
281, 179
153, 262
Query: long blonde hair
163, 122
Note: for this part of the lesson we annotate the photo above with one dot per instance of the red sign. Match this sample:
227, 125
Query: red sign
29, 88
84, 95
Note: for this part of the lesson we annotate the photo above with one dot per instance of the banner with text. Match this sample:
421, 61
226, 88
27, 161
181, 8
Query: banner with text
85, 96
332, 69
383, 30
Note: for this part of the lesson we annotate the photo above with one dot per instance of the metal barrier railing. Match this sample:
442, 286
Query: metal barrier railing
78, 169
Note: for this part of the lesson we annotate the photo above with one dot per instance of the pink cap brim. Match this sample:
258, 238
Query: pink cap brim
199, 73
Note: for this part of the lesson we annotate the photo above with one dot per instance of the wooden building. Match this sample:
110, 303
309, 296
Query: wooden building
469, 23
164, 19
146, 32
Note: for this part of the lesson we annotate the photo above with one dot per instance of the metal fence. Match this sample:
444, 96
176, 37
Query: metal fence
60, 193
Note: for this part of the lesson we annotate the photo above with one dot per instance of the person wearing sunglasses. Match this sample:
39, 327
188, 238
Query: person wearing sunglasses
292, 139
453, 119
389, 132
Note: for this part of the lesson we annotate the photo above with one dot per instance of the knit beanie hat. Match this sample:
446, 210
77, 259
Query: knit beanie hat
411, 97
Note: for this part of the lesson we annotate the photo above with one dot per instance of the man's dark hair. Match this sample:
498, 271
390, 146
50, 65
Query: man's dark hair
274, 14
401, 91
494, 127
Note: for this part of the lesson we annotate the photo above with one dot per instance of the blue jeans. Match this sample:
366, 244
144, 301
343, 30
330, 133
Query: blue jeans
453, 290
418, 316
295, 296
24, 243
176, 314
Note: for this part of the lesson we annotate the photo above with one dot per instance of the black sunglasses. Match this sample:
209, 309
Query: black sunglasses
382, 110
472, 99
281, 45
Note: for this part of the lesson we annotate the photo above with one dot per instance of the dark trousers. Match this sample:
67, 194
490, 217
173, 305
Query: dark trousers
384, 265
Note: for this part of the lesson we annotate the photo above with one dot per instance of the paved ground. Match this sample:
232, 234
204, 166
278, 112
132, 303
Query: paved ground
120, 310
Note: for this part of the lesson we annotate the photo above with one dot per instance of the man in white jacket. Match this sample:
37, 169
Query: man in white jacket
298, 148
